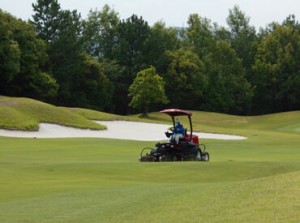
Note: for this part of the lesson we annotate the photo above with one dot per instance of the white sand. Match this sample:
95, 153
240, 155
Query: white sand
115, 130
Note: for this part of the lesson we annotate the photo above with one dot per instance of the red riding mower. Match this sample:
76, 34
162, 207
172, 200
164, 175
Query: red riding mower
186, 149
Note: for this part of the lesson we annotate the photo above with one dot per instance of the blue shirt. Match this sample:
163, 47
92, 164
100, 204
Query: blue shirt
179, 129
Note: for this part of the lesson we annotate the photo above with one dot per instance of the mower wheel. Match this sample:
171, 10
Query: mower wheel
205, 157
198, 156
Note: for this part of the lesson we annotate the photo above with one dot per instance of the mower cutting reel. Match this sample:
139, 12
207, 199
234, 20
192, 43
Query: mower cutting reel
187, 149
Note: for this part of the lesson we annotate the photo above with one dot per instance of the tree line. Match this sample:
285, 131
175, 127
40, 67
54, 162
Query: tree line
124, 66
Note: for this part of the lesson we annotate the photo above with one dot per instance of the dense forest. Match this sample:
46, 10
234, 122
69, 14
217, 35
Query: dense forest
124, 66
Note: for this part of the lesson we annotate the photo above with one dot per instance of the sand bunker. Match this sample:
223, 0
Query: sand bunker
115, 130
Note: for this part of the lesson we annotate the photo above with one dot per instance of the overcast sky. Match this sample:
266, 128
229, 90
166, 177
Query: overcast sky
173, 12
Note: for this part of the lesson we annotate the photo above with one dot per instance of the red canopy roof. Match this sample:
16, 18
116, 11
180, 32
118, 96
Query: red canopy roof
176, 112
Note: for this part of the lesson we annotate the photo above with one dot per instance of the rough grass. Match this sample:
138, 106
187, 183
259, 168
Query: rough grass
100, 180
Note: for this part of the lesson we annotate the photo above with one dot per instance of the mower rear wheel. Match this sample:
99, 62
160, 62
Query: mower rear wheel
198, 156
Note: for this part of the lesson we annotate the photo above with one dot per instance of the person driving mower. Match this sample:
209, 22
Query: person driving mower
178, 131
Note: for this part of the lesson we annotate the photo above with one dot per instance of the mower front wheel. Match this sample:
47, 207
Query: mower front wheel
205, 157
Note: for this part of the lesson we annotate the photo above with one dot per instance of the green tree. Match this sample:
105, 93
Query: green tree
114, 71
186, 79
276, 69
26, 77
161, 39
65, 55
228, 90
199, 35
61, 30
131, 51
100, 31
32, 81
131, 56
10, 53
81, 78
46, 19
146, 90
91, 88
242, 38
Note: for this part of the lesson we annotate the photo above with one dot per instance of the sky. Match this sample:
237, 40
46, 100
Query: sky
172, 12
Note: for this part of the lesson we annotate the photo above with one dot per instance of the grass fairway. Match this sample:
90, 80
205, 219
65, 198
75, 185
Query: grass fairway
100, 180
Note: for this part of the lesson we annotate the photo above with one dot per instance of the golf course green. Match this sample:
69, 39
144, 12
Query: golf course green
90, 180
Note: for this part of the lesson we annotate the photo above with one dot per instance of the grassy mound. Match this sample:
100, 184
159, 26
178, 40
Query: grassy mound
26, 114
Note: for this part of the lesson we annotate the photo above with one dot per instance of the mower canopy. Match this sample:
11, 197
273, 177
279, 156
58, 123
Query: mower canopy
176, 112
